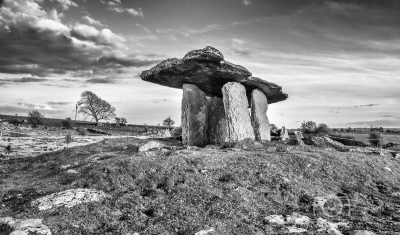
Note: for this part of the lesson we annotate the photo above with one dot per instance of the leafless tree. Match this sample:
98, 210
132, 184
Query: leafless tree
90, 105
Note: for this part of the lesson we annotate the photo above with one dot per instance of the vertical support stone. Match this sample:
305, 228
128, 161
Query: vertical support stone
259, 118
236, 112
194, 116
216, 121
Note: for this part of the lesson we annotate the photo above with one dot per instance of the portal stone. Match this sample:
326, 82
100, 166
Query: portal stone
216, 121
259, 119
194, 116
236, 113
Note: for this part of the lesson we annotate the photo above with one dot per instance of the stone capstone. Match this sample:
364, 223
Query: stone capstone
68, 198
236, 112
207, 69
216, 121
26, 226
259, 118
194, 116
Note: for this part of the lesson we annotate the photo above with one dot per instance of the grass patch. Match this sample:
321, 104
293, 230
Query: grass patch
348, 140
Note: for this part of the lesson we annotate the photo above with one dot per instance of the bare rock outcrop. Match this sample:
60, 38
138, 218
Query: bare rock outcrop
259, 118
25, 226
217, 132
68, 198
194, 116
150, 145
237, 115
328, 142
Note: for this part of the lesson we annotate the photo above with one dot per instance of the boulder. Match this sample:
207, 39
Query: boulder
298, 219
205, 232
325, 227
259, 118
284, 135
328, 142
207, 69
216, 121
150, 145
25, 226
68, 198
275, 219
237, 115
361, 232
298, 138
194, 116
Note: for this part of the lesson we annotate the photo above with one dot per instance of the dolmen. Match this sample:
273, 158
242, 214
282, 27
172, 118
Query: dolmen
217, 96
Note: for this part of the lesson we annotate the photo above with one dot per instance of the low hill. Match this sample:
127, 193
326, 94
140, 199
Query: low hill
179, 190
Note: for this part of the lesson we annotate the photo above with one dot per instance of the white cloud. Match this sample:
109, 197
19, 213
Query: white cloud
143, 27
92, 21
43, 45
246, 2
116, 6
134, 12
66, 4
241, 47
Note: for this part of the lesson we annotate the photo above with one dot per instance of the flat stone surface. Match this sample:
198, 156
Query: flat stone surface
216, 121
207, 69
259, 118
194, 116
68, 198
26, 226
236, 112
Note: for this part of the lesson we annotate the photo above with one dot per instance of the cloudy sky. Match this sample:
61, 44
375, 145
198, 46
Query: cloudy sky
339, 60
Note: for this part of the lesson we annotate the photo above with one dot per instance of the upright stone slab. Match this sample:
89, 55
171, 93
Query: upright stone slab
284, 134
259, 118
236, 112
298, 138
216, 121
194, 116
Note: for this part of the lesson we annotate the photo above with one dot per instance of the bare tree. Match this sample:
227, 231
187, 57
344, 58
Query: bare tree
90, 105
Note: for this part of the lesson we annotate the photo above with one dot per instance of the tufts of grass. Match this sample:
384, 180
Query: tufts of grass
5, 229
375, 138
348, 140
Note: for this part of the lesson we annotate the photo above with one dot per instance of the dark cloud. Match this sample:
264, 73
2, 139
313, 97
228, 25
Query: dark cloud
367, 105
102, 80
33, 41
11, 110
383, 123
21, 80
53, 103
159, 100
104, 61
56, 85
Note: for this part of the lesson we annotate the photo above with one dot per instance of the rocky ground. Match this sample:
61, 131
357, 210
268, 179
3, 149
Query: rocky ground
133, 186
29, 142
